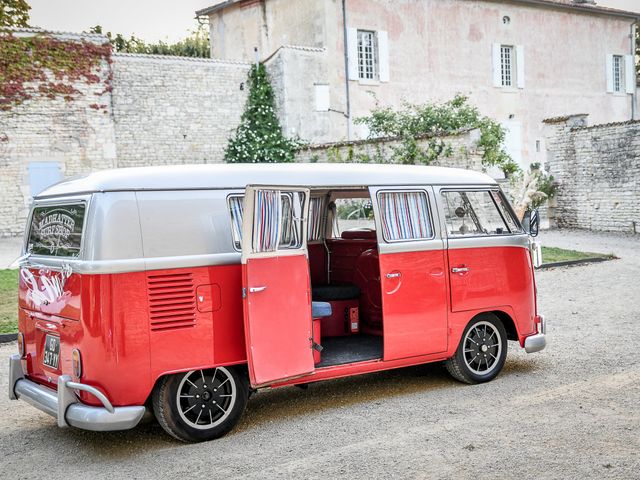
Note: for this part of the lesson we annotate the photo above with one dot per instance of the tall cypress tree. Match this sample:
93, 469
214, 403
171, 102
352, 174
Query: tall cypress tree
259, 138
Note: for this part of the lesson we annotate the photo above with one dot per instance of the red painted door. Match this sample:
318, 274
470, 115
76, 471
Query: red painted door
276, 285
489, 259
412, 273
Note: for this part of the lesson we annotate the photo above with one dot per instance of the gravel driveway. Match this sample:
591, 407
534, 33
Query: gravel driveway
571, 411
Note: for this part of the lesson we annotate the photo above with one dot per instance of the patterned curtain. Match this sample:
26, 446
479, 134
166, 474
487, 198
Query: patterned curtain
267, 217
316, 215
405, 216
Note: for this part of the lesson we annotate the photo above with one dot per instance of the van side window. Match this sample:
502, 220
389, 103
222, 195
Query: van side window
404, 216
288, 215
473, 213
236, 203
352, 213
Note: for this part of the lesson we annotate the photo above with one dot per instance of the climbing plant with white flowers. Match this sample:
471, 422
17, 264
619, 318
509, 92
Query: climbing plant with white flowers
259, 138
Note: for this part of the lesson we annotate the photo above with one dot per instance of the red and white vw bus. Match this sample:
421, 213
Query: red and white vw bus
181, 289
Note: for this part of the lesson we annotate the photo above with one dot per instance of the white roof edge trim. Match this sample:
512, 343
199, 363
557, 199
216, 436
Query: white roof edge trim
224, 176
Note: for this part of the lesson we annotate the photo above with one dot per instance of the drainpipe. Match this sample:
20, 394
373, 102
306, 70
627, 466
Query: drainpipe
634, 105
346, 68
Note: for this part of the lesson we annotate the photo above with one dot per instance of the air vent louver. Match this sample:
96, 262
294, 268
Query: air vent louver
172, 301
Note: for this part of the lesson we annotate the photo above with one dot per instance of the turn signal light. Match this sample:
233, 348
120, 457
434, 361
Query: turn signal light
76, 363
21, 347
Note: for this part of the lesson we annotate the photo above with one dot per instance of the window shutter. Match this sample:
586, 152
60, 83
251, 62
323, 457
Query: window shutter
322, 97
629, 74
497, 71
352, 53
609, 67
383, 56
520, 66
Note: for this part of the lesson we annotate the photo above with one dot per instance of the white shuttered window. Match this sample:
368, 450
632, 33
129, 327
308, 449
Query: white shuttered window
368, 55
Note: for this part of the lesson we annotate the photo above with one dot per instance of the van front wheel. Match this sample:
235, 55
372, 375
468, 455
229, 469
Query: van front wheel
201, 404
482, 351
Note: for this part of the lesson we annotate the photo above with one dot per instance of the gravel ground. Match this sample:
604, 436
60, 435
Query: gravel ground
568, 412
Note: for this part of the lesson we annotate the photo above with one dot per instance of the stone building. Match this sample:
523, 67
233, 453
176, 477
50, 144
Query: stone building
519, 61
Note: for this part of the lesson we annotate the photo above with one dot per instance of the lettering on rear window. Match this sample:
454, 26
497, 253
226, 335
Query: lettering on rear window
56, 230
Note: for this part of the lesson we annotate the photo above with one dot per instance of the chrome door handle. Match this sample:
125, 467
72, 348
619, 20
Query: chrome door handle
257, 289
394, 275
460, 269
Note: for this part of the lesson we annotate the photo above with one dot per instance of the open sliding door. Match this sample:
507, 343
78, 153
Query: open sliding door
276, 285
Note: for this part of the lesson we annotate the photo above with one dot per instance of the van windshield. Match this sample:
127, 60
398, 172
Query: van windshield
56, 230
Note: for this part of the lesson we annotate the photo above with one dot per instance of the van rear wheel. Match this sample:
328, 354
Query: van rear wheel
482, 351
200, 405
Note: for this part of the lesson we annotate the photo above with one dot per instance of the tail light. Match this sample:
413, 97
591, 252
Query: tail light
76, 363
21, 347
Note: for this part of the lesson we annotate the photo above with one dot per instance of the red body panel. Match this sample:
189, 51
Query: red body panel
414, 303
129, 336
498, 277
277, 320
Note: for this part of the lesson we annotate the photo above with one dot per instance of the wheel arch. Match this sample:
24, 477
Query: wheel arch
507, 322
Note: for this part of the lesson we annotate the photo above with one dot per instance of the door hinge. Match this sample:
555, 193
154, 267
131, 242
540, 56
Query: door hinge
244, 292
316, 346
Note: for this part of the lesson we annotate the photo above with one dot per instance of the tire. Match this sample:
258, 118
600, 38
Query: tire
482, 351
218, 395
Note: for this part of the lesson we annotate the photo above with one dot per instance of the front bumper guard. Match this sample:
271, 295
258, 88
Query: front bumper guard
65, 406
537, 342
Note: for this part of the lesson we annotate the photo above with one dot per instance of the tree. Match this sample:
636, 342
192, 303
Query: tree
259, 138
196, 44
14, 13
413, 122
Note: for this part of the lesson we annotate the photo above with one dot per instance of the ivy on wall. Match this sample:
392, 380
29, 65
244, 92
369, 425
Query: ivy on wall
48, 67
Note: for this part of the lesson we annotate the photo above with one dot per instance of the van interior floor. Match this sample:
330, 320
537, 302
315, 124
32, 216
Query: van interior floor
350, 349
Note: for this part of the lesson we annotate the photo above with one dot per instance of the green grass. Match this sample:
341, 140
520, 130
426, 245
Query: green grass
553, 255
8, 301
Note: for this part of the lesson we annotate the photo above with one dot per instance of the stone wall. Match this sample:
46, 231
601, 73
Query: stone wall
598, 170
175, 110
464, 151
161, 110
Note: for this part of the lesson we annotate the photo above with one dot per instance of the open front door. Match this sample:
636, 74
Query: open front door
276, 285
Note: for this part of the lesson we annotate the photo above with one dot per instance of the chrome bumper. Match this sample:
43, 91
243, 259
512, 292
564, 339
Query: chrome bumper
65, 405
537, 342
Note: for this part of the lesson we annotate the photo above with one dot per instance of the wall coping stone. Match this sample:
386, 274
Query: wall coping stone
376, 140
168, 58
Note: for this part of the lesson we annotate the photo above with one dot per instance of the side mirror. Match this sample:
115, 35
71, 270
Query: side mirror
531, 222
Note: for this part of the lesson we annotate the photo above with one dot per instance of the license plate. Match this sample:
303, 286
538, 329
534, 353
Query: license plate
51, 356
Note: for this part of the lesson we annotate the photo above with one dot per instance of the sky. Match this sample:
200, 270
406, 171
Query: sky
150, 20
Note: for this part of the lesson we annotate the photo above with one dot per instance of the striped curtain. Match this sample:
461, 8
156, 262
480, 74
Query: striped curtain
316, 214
267, 218
235, 206
405, 215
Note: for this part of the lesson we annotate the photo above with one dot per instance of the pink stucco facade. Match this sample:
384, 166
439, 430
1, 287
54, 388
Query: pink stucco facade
437, 48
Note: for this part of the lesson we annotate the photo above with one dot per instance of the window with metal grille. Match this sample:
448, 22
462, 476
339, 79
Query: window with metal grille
617, 73
367, 55
506, 65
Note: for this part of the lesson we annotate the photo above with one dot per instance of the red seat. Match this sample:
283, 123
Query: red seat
367, 278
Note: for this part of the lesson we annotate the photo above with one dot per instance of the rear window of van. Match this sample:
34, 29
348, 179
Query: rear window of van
56, 230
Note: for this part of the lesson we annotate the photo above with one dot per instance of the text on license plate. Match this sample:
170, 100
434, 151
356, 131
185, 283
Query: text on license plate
51, 356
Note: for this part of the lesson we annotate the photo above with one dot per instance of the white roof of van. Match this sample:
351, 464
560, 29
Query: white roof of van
234, 176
